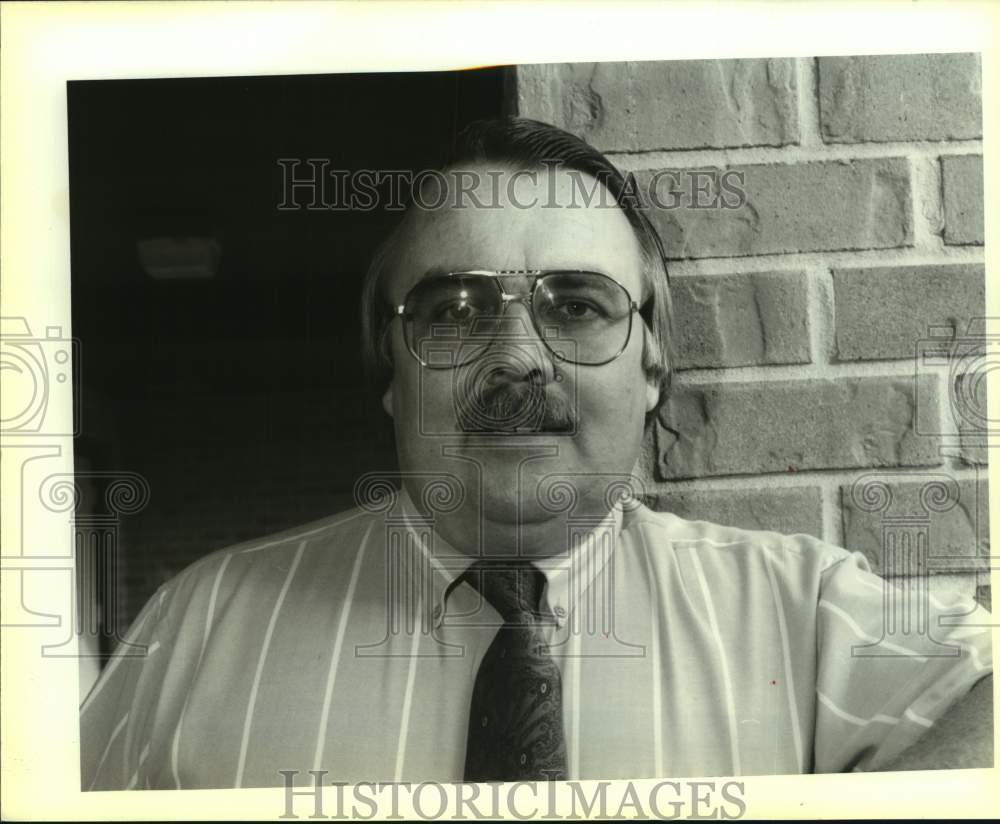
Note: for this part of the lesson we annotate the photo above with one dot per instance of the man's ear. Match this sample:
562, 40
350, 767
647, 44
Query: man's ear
652, 393
387, 400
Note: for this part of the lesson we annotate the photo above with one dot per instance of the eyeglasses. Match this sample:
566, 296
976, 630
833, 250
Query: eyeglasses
581, 317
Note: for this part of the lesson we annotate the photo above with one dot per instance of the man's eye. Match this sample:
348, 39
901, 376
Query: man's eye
577, 310
458, 311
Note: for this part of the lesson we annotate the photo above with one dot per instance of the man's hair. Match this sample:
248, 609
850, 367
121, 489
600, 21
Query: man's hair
520, 143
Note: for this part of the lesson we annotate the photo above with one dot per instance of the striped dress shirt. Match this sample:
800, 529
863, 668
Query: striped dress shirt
686, 649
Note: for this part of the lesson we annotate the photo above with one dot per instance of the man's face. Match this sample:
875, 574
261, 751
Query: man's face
592, 426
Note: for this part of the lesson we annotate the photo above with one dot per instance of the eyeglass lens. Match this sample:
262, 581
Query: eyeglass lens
583, 317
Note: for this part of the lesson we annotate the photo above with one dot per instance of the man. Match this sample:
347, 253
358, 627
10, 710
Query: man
515, 612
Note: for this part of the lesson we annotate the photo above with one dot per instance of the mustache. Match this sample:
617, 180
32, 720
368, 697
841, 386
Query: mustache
498, 404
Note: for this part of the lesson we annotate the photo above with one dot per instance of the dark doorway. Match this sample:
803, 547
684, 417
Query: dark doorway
219, 335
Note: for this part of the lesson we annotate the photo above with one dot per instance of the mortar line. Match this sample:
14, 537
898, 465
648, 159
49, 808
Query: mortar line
822, 316
901, 368
831, 479
808, 102
845, 258
832, 516
790, 154
926, 203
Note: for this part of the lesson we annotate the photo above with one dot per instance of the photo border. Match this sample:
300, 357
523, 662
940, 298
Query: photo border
43, 45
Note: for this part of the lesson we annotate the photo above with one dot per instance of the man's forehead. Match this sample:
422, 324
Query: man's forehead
519, 219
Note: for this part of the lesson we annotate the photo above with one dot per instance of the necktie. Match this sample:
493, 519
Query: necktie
515, 720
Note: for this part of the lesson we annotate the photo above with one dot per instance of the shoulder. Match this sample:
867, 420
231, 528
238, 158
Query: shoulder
322, 548
663, 534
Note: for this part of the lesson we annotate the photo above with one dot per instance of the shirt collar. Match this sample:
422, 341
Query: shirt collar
568, 575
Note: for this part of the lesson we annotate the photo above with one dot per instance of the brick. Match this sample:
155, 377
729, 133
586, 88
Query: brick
984, 596
962, 187
960, 354
741, 320
900, 97
884, 312
972, 449
672, 104
782, 509
975, 436
787, 426
805, 207
952, 515
950, 587
963, 361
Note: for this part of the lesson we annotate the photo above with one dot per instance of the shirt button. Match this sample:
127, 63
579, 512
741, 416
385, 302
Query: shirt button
486, 720
544, 688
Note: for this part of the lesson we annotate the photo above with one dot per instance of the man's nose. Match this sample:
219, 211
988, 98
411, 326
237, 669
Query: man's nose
518, 350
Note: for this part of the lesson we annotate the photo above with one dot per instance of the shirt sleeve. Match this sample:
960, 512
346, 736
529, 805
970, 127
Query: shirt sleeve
892, 659
119, 703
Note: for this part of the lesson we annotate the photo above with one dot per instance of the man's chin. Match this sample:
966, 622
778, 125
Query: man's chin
513, 457
511, 513
535, 532
528, 428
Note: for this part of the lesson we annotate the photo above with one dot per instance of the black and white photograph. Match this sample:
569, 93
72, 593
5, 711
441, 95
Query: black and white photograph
530, 424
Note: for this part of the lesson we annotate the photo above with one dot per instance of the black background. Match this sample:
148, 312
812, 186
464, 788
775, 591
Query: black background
240, 398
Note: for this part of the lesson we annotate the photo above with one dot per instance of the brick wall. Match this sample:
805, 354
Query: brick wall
800, 312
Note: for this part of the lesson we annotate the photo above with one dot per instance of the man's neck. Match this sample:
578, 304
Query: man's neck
473, 533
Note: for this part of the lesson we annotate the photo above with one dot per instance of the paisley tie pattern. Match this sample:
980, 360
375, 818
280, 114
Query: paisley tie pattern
515, 720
